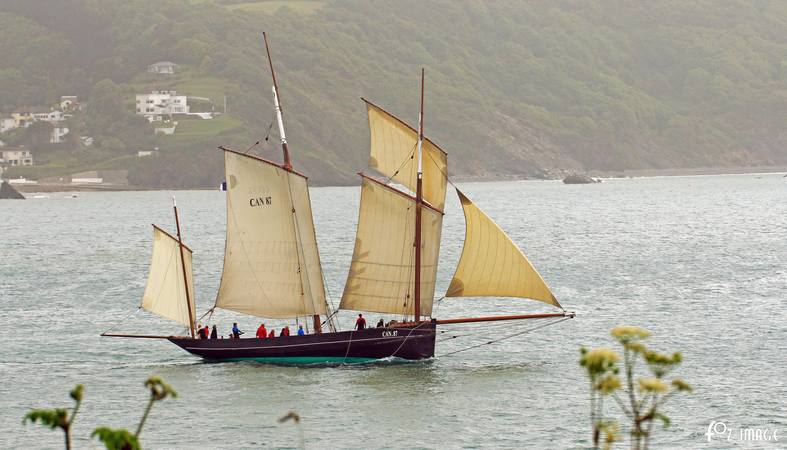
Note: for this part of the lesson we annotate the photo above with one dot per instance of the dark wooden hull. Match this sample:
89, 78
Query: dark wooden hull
410, 343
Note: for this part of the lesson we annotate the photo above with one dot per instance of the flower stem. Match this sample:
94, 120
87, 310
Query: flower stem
144, 417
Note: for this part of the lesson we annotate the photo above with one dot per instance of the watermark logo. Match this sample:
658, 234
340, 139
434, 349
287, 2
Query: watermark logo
718, 430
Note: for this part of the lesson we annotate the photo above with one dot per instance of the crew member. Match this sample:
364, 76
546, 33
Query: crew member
262, 333
236, 332
360, 323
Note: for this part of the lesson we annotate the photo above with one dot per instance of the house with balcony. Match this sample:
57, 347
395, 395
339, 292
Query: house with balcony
158, 105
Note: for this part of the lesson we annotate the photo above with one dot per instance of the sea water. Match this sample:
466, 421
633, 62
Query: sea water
699, 261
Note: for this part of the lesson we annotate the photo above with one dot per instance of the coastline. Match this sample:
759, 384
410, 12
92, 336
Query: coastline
632, 173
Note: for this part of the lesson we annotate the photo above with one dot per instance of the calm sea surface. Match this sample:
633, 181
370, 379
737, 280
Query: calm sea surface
699, 261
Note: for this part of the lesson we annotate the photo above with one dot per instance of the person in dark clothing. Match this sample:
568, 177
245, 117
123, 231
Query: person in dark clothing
236, 332
360, 323
285, 331
214, 334
201, 332
380, 324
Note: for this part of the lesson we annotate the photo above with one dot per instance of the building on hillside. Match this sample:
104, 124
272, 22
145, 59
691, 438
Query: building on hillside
16, 156
57, 135
49, 116
158, 104
163, 67
69, 103
22, 119
7, 124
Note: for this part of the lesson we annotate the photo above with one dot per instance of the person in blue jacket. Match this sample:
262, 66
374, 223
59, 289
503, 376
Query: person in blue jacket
236, 332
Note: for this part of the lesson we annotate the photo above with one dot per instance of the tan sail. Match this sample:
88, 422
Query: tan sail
381, 277
271, 263
165, 293
491, 264
393, 154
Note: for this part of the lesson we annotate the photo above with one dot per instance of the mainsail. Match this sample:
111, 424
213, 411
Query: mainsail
165, 293
382, 271
491, 264
393, 154
271, 262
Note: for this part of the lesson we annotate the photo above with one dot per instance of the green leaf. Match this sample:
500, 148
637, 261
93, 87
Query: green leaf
51, 418
116, 439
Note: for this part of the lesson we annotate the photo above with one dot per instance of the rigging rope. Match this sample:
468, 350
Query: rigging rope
412, 155
505, 337
268, 134
122, 320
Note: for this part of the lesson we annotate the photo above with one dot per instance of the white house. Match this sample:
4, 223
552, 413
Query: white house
57, 135
163, 67
161, 103
17, 157
50, 116
6, 124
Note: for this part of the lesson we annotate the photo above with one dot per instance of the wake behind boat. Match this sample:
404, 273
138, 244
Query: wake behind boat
272, 264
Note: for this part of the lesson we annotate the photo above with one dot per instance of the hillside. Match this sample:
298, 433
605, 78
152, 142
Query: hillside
513, 88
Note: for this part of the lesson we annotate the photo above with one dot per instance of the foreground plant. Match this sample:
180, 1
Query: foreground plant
58, 417
112, 438
122, 439
642, 399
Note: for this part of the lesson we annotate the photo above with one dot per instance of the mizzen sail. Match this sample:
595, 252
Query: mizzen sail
271, 262
382, 272
491, 264
165, 293
393, 154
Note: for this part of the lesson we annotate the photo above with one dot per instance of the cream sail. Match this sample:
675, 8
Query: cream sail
491, 264
271, 263
165, 293
393, 154
381, 277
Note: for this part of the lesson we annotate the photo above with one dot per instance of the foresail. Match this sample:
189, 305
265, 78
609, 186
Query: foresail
271, 263
491, 264
382, 276
165, 293
393, 154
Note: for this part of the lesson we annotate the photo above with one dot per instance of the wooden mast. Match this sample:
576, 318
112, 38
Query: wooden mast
183, 267
287, 162
418, 205
277, 105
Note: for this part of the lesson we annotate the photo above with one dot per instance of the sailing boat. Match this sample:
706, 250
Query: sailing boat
272, 265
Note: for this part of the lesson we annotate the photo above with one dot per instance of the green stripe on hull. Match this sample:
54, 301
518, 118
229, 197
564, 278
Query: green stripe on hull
304, 360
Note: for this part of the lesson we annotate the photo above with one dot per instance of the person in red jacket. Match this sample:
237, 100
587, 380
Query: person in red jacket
360, 324
262, 333
272, 334
285, 331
